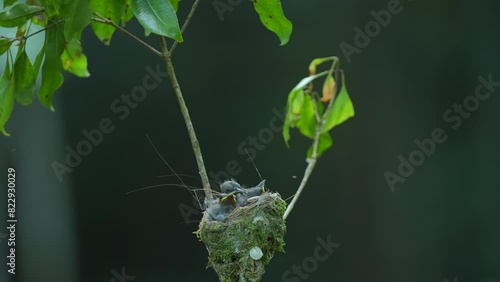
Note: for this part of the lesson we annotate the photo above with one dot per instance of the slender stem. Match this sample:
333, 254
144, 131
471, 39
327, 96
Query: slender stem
310, 167
24, 37
184, 26
102, 19
314, 157
166, 55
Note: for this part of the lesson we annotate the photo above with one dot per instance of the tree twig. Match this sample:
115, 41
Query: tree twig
314, 156
310, 167
184, 26
166, 55
104, 20
24, 37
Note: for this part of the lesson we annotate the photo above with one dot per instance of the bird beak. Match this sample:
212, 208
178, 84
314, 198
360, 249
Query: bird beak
261, 184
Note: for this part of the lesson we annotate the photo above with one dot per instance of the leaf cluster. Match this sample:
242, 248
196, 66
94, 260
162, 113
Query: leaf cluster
61, 22
314, 115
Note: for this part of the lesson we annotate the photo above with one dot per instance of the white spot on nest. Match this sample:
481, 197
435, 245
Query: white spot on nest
256, 253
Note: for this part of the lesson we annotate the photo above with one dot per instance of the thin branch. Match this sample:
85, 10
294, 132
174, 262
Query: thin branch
310, 167
314, 156
104, 20
25, 37
184, 26
166, 55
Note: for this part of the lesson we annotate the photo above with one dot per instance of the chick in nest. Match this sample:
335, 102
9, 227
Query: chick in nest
232, 195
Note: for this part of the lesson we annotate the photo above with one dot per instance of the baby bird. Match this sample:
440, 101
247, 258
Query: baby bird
241, 199
232, 195
221, 206
230, 186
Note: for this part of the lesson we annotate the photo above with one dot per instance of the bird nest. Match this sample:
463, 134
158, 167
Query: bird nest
245, 241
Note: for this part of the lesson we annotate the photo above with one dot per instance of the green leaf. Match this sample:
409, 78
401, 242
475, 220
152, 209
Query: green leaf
341, 110
128, 14
24, 79
325, 142
157, 16
272, 16
294, 106
7, 3
286, 131
77, 14
52, 78
296, 99
73, 60
18, 15
5, 45
175, 4
7, 91
110, 9
5, 83
307, 122
38, 60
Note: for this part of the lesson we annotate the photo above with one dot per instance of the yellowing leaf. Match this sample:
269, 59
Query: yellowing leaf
74, 61
328, 88
316, 62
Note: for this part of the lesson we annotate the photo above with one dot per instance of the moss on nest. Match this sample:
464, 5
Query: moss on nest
259, 224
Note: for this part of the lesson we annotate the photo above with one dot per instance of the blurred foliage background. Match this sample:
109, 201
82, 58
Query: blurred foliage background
441, 223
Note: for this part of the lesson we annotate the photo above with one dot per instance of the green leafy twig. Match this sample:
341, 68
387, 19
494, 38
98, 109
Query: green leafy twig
310, 118
104, 20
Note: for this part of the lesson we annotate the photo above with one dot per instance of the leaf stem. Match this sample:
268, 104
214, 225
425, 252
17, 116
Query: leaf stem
166, 56
184, 26
104, 20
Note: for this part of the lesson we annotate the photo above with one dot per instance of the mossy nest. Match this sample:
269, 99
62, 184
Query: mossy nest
240, 246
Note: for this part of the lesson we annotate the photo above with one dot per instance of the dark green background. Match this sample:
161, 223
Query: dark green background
441, 223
